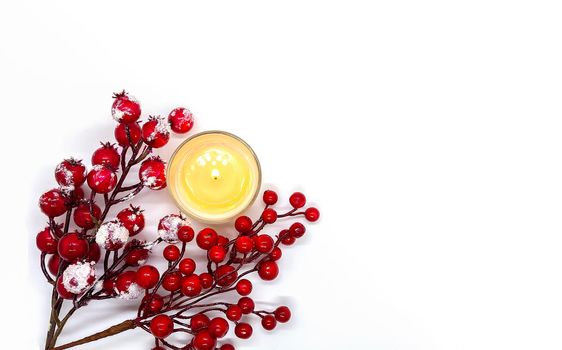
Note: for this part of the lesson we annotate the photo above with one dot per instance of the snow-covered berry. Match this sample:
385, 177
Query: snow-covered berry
78, 277
169, 226
112, 235
152, 173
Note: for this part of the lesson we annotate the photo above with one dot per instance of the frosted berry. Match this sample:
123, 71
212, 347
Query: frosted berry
63, 292
147, 276
191, 286
282, 314
78, 277
312, 214
126, 285
270, 197
86, 215
46, 241
134, 134
136, 253
132, 218
70, 174
53, 203
102, 179
268, 270
71, 247
243, 224
155, 132
169, 225
161, 326
106, 155
204, 341
297, 200
112, 235
243, 330
152, 173
206, 238
125, 108
181, 120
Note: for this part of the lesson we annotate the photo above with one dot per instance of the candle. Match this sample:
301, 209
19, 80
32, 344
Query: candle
214, 176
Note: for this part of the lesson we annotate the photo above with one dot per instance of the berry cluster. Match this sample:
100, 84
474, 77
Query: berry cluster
197, 302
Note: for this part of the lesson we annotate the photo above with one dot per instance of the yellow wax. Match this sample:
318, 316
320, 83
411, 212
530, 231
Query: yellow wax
213, 176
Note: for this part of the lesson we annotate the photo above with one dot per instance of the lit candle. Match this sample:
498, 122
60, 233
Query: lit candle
214, 176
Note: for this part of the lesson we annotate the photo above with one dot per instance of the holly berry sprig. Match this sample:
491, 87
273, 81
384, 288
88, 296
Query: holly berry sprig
195, 305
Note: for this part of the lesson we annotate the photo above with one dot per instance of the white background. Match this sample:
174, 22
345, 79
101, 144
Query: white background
428, 132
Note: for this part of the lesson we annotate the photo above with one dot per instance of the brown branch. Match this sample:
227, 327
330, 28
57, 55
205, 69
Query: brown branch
118, 328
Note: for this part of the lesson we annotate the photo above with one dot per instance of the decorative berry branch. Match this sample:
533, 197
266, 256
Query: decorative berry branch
177, 300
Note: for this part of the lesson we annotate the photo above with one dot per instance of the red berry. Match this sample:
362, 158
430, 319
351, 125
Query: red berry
243, 224
136, 253
222, 240
107, 155
147, 276
155, 132
282, 314
275, 254
199, 322
71, 247
226, 275
264, 243
185, 234
171, 253
243, 330
297, 230
268, 322
218, 327
63, 292
76, 195
108, 287
268, 270
172, 281
204, 341
269, 216
53, 264
169, 226
227, 347
191, 286
206, 238
70, 173
152, 173
297, 200
247, 305
270, 197
135, 134
217, 254
46, 241
244, 244
125, 108
133, 219
86, 215
234, 313
94, 252
161, 326
53, 203
102, 179
153, 304
286, 238
244, 287
181, 120
312, 214
187, 266
124, 281
206, 280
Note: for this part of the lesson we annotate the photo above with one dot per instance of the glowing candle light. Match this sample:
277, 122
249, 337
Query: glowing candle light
214, 176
